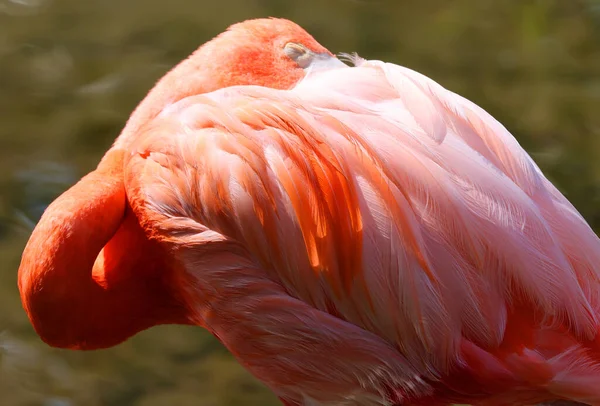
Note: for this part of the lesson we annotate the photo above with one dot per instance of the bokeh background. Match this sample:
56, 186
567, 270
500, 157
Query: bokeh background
71, 72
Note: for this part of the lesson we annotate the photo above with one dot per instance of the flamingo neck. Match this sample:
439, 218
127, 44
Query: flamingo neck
89, 277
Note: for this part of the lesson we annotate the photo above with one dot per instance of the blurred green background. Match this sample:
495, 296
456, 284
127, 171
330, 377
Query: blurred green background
71, 71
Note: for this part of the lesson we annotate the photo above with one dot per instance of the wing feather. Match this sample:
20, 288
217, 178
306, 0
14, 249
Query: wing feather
376, 195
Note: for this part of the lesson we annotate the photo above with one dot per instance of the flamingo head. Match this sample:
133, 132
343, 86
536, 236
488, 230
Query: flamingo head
274, 53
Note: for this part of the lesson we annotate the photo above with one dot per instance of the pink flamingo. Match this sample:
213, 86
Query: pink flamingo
353, 235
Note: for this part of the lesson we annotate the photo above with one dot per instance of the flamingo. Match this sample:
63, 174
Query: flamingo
354, 235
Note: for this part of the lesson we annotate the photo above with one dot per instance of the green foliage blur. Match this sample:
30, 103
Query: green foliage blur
72, 71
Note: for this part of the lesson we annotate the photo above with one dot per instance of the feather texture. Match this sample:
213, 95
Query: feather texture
371, 238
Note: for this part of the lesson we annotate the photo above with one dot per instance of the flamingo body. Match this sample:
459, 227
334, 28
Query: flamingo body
362, 236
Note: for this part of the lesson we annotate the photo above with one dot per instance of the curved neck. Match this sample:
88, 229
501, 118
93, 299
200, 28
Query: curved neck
89, 277
189, 77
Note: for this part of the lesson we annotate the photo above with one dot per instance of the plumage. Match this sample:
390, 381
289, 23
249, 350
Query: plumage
367, 237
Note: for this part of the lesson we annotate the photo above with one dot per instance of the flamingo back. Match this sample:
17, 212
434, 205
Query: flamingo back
391, 215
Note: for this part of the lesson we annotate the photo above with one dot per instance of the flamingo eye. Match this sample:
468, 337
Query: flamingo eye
299, 54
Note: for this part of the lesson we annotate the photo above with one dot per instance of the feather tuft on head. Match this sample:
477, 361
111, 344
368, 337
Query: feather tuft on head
352, 58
